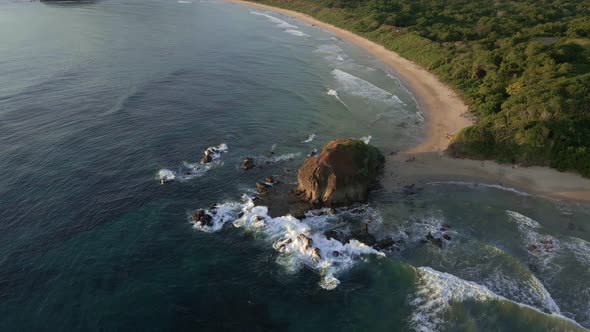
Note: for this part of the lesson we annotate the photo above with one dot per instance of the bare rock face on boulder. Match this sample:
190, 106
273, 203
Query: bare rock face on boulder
340, 174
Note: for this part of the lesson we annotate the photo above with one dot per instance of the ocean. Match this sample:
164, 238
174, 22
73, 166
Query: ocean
100, 101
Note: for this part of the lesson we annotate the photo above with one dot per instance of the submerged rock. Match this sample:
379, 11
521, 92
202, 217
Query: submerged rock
340, 174
247, 164
202, 218
262, 187
384, 244
206, 158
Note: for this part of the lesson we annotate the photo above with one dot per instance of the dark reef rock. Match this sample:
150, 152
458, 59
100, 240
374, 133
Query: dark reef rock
262, 187
384, 244
202, 218
247, 164
434, 240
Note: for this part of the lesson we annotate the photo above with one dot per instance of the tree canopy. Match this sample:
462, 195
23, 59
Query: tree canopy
522, 66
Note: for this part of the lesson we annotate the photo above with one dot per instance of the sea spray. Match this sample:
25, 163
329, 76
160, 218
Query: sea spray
300, 242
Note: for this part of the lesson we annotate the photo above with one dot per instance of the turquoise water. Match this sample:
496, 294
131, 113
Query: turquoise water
97, 99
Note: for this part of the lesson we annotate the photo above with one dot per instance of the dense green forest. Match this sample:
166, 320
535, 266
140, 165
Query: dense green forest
523, 67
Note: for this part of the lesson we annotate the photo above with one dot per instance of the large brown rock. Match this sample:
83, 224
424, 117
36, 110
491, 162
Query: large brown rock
340, 174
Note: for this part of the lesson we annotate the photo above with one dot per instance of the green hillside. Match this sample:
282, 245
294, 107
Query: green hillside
522, 66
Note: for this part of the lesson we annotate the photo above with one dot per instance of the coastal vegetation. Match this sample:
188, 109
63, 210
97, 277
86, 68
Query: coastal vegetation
523, 67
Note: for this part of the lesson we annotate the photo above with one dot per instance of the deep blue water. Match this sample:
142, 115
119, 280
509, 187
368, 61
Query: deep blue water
96, 99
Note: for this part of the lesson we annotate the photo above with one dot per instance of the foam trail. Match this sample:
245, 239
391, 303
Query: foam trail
541, 248
184, 1
437, 290
279, 23
276, 159
334, 94
192, 170
401, 85
309, 138
301, 242
296, 33
361, 88
332, 52
474, 185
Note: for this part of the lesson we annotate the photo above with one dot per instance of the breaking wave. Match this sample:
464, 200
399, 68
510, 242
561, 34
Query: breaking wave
437, 290
279, 23
475, 185
332, 52
300, 242
358, 87
297, 33
309, 138
541, 248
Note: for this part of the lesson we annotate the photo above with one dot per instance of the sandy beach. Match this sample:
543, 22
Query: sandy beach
445, 114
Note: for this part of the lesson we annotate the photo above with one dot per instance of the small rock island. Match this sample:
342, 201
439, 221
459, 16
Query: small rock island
339, 175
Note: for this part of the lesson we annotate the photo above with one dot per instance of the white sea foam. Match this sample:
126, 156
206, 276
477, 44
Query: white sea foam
437, 290
358, 87
581, 250
366, 139
297, 33
279, 23
403, 87
475, 185
301, 242
216, 151
184, 1
273, 159
541, 248
334, 93
166, 175
523, 221
192, 170
309, 138
332, 52
486, 268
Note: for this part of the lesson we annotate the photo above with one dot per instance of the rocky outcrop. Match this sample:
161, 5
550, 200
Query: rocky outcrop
280, 198
340, 174
202, 218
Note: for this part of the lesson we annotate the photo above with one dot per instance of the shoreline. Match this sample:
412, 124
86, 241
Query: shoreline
445, 115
